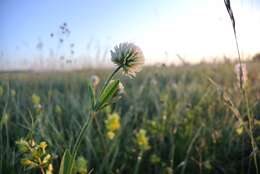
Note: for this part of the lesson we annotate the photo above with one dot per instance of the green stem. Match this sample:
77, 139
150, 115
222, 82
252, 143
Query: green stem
139, 159
42, 170
250, 119
110, 77
189, 149
100, 133
85, 126
79, 139
251, 125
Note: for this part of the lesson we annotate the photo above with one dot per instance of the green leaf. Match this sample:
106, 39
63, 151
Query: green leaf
107, 94
91, 95
65, 163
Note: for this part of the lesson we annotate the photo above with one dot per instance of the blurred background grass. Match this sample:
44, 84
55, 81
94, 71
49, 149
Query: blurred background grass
189, 126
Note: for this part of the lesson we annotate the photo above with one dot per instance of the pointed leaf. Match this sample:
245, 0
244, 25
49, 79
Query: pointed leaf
65, 163
107, 94
91, 95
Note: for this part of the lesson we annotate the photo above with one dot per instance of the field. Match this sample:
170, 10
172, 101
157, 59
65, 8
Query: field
168, 120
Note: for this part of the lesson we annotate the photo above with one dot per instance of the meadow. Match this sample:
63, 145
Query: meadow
168, 119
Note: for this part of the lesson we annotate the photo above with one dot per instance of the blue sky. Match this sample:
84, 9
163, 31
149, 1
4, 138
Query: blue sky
193, 29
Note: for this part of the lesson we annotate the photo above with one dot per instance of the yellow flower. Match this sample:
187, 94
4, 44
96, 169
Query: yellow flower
142, 140
36, 100
239, 130
110, 135
43, 146
113, 122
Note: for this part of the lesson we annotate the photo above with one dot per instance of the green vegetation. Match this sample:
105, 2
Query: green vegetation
186, 119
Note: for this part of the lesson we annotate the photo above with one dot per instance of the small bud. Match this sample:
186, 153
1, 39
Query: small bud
43, 146
50, 169
46, 159
95, 80
110, 135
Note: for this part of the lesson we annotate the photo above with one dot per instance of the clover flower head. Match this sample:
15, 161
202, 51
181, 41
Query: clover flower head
128, 56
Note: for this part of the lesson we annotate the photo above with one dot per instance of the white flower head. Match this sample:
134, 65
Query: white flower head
129, 56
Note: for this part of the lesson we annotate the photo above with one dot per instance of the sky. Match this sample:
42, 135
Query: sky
165, 30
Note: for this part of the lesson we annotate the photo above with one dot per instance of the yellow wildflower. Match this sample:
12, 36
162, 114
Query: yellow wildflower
142, 140
110, 135
113, 122
239, 130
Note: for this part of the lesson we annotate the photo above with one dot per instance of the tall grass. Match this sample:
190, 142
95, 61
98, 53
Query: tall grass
244, 91
171, 104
